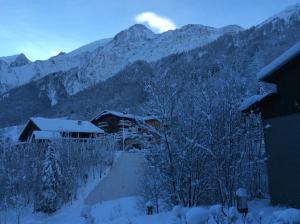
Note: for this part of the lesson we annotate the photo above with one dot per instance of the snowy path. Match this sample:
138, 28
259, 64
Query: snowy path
121, 181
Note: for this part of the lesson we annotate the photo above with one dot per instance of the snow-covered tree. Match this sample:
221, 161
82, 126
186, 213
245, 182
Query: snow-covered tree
51, 178
207, 148
29, 172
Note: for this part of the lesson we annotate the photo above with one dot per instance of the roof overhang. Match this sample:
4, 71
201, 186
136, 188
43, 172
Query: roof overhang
124, 115
253, 103
267, 73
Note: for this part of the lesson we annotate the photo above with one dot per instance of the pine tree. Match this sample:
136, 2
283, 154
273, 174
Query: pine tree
51, 178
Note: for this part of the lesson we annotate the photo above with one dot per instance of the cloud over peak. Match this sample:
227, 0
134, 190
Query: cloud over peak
157, 23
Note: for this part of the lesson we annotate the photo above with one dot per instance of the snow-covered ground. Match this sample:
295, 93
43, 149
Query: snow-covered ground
122, 180
130, 210
127, 211
69, 213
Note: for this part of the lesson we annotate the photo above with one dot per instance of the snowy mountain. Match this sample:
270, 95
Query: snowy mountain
89, 47
288, 15
113, 75
102, 59
15, 60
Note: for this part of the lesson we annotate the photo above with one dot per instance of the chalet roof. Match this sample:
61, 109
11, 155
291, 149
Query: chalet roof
254, 100
64, 125
124, 115
45, 135
275, 65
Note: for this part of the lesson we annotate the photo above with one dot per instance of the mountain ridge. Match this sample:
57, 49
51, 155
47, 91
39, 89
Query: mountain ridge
96, 60
243, 52
291, 12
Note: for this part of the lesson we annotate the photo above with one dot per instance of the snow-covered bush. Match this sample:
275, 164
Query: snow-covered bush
87, 215
197, 216
150, 188
178, 212
287, 216
232, 215
116, 212
216, 214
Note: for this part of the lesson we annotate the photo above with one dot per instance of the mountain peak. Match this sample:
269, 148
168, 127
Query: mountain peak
20, 60
139, 27
232, 28
134, 33
15, 60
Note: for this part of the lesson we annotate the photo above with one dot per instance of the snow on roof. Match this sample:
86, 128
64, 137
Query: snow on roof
39, 135
279, 62
252, 100
58, 124
125, 115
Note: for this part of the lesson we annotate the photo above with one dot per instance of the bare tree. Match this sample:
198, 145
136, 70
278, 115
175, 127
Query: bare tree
207, 147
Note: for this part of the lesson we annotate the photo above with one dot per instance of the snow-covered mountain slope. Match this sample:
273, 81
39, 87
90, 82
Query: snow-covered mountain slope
17, 70
9, 59
291, 13
11, 77
102, 59
58, 94
15, 60
89, 47
139, 43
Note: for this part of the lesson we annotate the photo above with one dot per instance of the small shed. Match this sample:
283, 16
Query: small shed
38, 128
280, 113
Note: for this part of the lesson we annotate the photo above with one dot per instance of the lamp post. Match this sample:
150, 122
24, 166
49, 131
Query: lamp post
123, 135
242, 203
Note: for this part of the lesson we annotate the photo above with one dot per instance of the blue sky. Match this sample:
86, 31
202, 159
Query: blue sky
41, 28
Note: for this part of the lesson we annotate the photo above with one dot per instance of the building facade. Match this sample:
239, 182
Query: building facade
280, 111
45, 129
130, 131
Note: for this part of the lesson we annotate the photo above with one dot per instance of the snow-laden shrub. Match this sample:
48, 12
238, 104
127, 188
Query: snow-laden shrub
178, 211
287, 216
251, 218
232, 215
197, 216
216, 214
85, 212
178, 214
87, 215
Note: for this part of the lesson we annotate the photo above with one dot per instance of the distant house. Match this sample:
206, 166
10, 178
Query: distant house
131, 131
280, 111
42, 129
